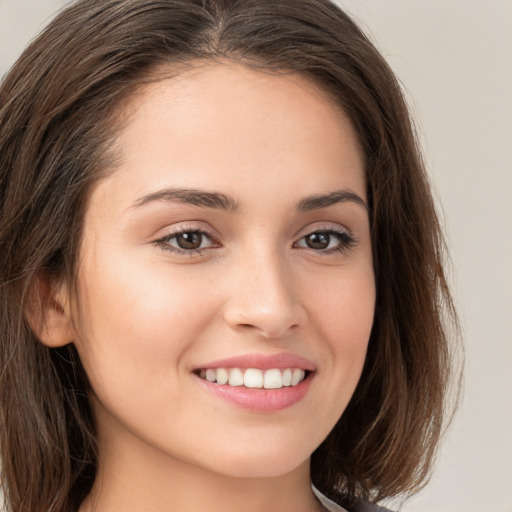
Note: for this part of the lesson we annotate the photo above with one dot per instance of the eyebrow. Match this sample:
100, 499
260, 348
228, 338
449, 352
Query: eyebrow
318, 201
220, 201
191, 196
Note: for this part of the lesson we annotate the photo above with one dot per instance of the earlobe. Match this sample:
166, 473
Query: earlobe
48, 311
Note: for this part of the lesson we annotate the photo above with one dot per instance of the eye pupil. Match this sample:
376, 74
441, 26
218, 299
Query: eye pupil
318, 240
189, 240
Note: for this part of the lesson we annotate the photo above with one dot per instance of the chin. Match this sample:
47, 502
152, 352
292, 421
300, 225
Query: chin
262, 464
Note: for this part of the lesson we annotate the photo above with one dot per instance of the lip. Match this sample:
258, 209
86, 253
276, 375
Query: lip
262, 361
260, 400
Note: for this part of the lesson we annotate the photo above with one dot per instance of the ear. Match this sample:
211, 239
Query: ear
48, 311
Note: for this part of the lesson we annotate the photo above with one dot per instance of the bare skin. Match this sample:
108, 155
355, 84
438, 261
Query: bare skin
271, 273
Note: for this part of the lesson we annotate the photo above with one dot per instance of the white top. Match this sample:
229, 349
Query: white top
330, 505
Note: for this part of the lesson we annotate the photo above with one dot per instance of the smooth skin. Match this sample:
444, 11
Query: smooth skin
264, 277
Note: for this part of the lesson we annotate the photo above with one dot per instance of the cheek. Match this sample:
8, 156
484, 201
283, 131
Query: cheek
344, 306
138, 318
342, 311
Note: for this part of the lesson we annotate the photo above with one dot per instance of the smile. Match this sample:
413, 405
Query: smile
254, 378
261, 383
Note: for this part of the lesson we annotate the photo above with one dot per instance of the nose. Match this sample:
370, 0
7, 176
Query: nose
263, 298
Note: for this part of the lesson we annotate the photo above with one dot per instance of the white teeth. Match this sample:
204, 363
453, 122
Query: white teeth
253, 378
287, 377
222, 376
236, 377
297, 375
274, 378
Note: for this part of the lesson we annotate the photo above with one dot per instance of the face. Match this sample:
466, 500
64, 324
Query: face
226, 286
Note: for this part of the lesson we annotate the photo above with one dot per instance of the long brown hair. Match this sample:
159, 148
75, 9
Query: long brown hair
58, 108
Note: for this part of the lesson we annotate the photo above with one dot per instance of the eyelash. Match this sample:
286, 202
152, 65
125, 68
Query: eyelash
164, 242
345, 238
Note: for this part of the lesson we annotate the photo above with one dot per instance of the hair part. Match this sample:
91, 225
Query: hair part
60, 109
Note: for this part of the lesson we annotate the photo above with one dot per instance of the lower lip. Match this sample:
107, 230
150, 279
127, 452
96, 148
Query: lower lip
260, 400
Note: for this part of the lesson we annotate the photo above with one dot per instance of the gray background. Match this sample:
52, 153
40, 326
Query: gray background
453, 57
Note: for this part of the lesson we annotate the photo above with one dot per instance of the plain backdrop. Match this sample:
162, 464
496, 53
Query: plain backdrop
454, 60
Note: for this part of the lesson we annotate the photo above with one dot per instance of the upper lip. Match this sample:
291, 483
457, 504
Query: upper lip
262, 362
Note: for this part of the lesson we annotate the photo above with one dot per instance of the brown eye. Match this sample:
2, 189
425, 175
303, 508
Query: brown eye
187, 242
327, 241
318, 240
190, 240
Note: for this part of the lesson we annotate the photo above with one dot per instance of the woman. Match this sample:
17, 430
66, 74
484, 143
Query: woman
222, 271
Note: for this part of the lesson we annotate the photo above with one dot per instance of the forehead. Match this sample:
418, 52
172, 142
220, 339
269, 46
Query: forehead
219, 125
